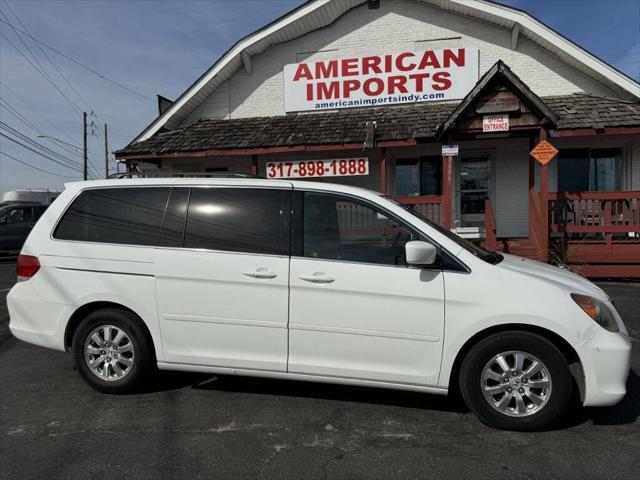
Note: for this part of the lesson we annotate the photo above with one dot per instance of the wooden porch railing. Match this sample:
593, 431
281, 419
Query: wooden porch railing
429, 206
490, 240
594, 212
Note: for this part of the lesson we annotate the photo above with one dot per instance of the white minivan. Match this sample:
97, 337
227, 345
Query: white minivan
309, 281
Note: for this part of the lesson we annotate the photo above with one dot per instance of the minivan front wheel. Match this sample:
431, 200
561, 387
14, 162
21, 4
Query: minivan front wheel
516, 381
111, 351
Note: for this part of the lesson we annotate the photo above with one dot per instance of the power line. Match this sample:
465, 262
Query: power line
64, 145
67, 147
79, 63
36, 144
62, 142
43, 73
45, 55
94, 115
34, 110
33, 166
61, 159
35, 151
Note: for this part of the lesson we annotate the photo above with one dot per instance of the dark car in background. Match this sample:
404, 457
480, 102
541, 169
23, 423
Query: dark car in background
16, 221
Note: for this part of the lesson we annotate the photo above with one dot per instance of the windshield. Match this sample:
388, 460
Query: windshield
488, 256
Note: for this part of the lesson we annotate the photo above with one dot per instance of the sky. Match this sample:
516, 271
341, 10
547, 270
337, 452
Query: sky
160, 47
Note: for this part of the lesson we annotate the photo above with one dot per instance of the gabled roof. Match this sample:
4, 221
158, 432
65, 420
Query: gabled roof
502, 73
419, 122
315, 14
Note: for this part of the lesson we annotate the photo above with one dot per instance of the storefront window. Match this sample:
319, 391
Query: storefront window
583, 170
606, 170
419, 176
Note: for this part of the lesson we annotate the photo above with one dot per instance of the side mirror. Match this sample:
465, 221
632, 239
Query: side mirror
419, 253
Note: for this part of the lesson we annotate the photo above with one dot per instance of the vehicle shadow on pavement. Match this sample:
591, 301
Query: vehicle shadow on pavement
625, 412
291, 388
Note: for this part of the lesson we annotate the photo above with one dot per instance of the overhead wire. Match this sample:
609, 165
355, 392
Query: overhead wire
33, 166
34, 110
36, 152
68, 147
104, 77
46, 56
40, 69
48, 153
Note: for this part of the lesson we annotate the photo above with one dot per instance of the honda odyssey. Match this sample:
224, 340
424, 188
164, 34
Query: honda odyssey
309, 281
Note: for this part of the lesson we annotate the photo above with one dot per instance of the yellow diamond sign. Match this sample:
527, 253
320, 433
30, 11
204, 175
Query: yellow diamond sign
544, 152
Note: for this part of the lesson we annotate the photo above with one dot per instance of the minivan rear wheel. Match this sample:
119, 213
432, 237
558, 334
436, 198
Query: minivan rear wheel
111, 351
516, 381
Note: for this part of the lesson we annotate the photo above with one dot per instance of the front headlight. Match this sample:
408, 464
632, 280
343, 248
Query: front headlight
597, 310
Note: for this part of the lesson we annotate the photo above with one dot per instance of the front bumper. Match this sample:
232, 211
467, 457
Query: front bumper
606, 359
33, 320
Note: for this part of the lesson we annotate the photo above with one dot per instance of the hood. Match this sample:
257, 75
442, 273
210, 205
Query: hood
570, 280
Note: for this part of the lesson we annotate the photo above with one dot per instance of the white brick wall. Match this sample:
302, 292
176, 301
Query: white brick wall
398, 25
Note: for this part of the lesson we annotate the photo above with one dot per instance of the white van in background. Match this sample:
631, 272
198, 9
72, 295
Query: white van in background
309, 281
43, 196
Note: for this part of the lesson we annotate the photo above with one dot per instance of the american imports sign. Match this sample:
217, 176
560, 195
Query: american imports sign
378, 80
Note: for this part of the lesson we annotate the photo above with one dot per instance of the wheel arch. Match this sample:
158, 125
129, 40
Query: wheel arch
85, 310
572, 357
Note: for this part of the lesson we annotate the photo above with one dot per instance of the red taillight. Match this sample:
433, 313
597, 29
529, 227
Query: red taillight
27, 266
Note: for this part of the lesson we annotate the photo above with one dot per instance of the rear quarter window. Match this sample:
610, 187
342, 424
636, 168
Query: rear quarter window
131, 216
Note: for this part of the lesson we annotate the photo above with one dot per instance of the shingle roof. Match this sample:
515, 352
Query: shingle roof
590, 111
349, 126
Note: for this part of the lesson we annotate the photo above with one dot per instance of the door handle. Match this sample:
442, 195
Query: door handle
317, 277
262, 273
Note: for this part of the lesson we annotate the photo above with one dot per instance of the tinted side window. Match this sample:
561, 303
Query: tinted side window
239, 220
20, 215
174, 218
131, 216
339, 228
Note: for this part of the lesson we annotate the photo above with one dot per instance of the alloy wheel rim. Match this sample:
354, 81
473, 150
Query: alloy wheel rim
109, 353
516, 383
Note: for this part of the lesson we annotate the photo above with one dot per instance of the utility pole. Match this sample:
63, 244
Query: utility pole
106, 152
85, 154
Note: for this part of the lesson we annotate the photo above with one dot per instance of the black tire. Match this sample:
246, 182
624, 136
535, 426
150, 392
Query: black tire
142, 356
562, 383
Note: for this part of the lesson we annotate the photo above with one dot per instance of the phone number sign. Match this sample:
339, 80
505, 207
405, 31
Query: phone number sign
341, 167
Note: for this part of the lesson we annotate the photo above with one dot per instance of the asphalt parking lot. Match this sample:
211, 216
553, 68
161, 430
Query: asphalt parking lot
54, 426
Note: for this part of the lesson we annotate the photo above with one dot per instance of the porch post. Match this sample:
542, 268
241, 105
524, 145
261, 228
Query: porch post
254, 164
383, 171
544, 210
447, 189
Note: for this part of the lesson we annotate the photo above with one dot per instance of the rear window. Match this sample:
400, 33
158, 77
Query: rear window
131, 216
239, 220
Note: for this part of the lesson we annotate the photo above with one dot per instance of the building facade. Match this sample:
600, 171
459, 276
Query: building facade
438, 103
